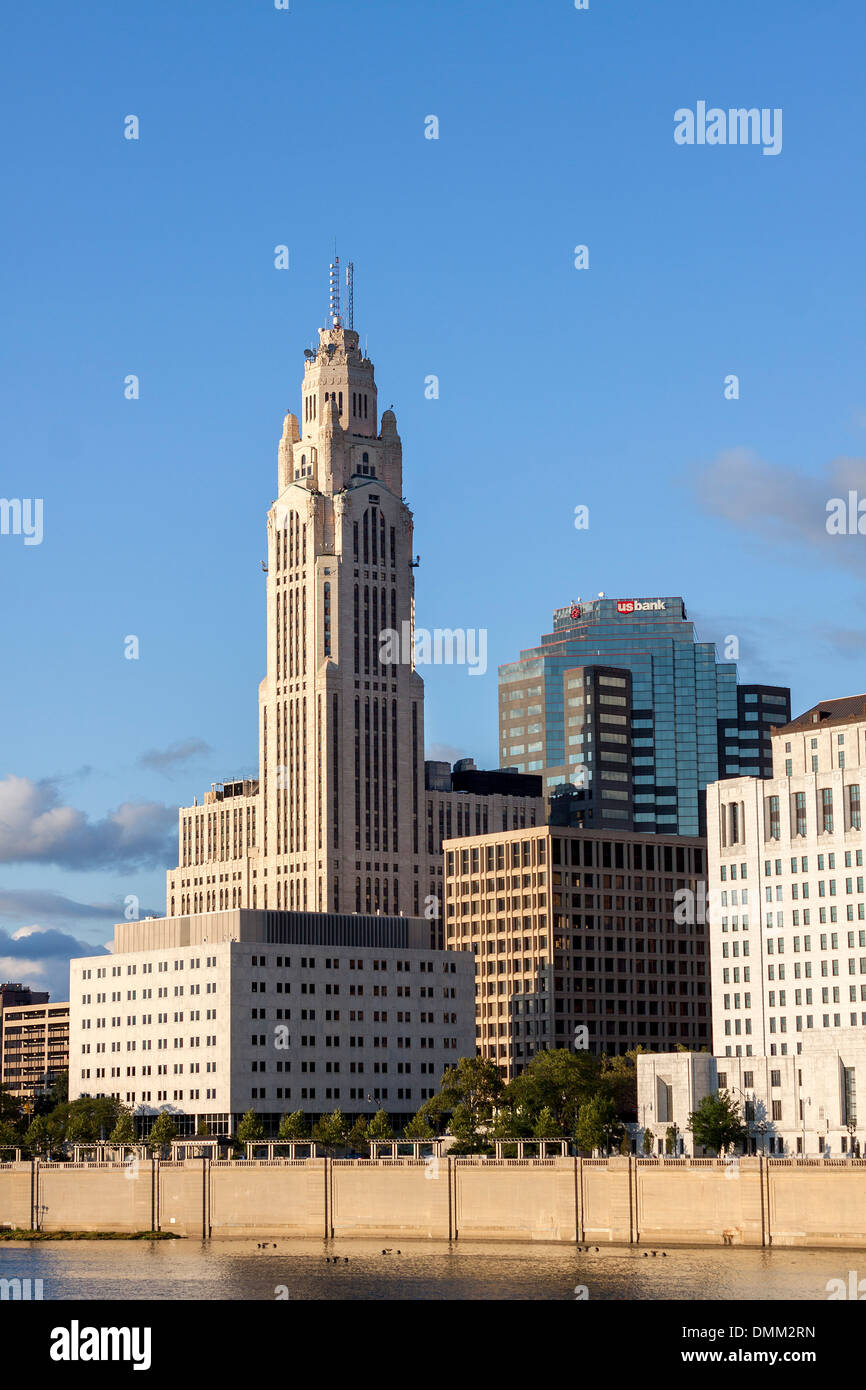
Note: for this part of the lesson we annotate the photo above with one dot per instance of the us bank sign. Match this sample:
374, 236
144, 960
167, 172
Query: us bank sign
640, 605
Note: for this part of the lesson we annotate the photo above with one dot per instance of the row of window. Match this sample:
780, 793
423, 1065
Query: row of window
733, 826
101, 972
333, 1093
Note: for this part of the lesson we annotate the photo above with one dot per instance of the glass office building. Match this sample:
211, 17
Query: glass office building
639, 754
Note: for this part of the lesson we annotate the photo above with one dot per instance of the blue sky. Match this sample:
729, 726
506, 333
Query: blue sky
558, 387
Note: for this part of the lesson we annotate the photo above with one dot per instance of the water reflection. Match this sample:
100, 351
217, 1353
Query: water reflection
359, 1270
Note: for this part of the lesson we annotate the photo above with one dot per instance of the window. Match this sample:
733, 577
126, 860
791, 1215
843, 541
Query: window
800, 813
827, 810
849, 1091
774, 823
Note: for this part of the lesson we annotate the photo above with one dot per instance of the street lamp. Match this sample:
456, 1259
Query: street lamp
746, 1103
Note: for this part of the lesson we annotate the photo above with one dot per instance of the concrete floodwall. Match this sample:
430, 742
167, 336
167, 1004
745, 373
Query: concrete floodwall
93, 1197
515, 1199
620, 1201
398, 1197
276, 1197
16, 1197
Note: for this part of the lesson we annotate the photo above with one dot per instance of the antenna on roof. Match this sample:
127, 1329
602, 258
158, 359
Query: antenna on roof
334, 305
350, 294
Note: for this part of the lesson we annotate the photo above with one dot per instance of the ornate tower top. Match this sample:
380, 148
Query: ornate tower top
337, 372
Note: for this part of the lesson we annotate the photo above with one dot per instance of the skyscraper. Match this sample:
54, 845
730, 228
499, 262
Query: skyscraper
785, 857
622, 704
341, 817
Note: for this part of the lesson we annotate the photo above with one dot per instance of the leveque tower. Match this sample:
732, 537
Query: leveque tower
340, 818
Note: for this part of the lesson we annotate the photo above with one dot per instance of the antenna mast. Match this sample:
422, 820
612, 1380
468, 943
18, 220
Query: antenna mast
334, 306
350, 294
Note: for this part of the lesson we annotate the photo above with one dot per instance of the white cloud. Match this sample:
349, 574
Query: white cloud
35, 827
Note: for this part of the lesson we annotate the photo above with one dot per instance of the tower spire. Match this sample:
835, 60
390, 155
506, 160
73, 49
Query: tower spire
350, 294
334, 304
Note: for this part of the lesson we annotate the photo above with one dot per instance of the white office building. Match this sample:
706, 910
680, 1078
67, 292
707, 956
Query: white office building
214, 1014
786, 907
787, 897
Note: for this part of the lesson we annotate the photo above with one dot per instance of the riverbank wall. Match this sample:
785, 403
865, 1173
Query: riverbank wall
806, 1203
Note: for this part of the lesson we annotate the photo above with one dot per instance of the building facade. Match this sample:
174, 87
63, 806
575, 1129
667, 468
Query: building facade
34, 1046
576, 930
787, 901
804, 1104
786, 910
622, 709
340, 818
216, 1014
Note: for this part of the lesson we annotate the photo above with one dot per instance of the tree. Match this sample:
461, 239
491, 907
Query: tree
358, 1134
467, 1137
561, 1080
331, 1129
79, 1128
124, 1130
511, 1122
619, 1081
419, 1127
717, 1122
59, 1093
470, 1092
10, 1106
293, 1126
9, 1134
648, 1142
202, 1129
672, 1134
39, 1137
250, 1127
546, 1125
476, 1084
597, 1125
88, 1119
380, 1127
163, 1131
48, 1101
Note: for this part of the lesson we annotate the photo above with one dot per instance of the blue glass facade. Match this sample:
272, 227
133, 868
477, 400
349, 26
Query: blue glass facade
690, 721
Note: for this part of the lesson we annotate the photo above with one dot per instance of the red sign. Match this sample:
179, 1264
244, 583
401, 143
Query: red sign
575, 612
625, 605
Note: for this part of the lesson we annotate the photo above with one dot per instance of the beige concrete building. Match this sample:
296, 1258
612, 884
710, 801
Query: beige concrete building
340, 818
802, 1104
34, 1047
786, 910
787, 900
576, 929
217, 1013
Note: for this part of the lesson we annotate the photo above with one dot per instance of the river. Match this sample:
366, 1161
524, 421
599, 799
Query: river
296, 1270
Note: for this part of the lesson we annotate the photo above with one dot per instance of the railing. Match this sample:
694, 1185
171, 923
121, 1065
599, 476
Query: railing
653, 1161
